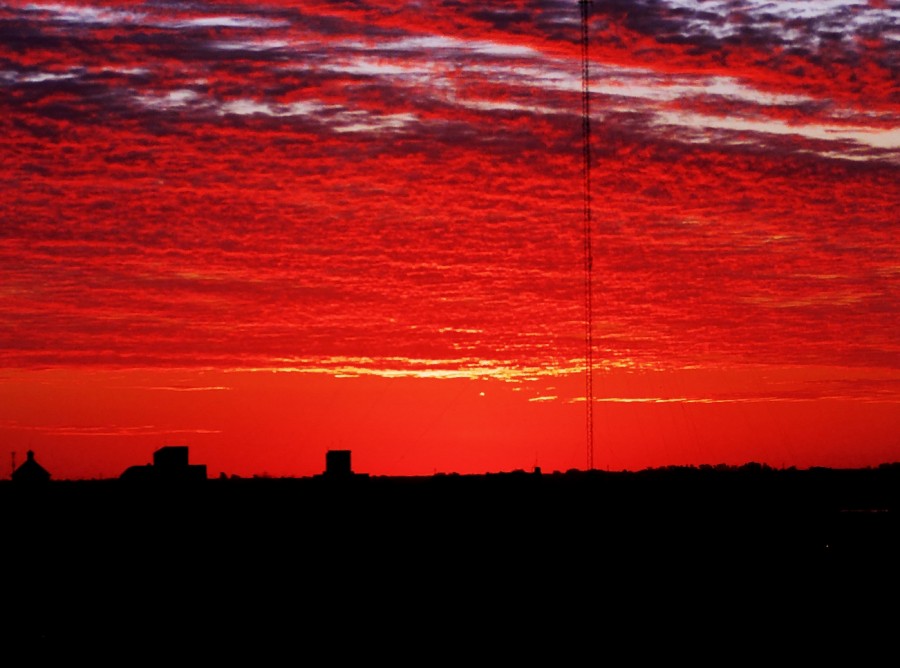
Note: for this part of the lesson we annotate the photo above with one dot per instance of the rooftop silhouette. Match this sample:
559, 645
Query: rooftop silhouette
170, 464
364, 556
30, 471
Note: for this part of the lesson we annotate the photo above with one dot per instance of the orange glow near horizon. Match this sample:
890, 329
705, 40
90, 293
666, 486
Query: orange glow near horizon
281, 424
269, 231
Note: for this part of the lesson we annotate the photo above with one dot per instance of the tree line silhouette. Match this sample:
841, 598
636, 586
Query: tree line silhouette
165, 551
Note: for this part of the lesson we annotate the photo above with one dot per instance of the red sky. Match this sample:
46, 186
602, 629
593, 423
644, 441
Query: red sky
269, 229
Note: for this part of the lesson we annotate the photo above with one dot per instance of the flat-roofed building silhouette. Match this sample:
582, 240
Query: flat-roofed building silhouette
337, 463
171, 458
170, 463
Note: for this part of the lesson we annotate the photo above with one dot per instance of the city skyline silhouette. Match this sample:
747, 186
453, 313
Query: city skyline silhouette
186, 561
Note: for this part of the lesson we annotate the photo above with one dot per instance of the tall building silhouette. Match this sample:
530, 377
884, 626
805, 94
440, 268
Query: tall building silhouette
337, 463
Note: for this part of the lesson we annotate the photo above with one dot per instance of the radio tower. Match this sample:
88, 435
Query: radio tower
588, 253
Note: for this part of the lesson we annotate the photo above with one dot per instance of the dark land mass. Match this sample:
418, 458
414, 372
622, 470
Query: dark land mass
355, 561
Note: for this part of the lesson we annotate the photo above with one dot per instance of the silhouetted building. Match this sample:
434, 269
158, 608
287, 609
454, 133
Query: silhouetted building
30, 471
170, 463
337, 463
171, 458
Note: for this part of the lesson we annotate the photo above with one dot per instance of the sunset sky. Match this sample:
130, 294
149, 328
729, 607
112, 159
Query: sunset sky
269, 229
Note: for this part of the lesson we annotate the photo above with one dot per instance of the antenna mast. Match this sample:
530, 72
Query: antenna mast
588, 252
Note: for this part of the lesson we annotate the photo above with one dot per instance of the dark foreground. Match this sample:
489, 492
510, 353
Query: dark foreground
388, 565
